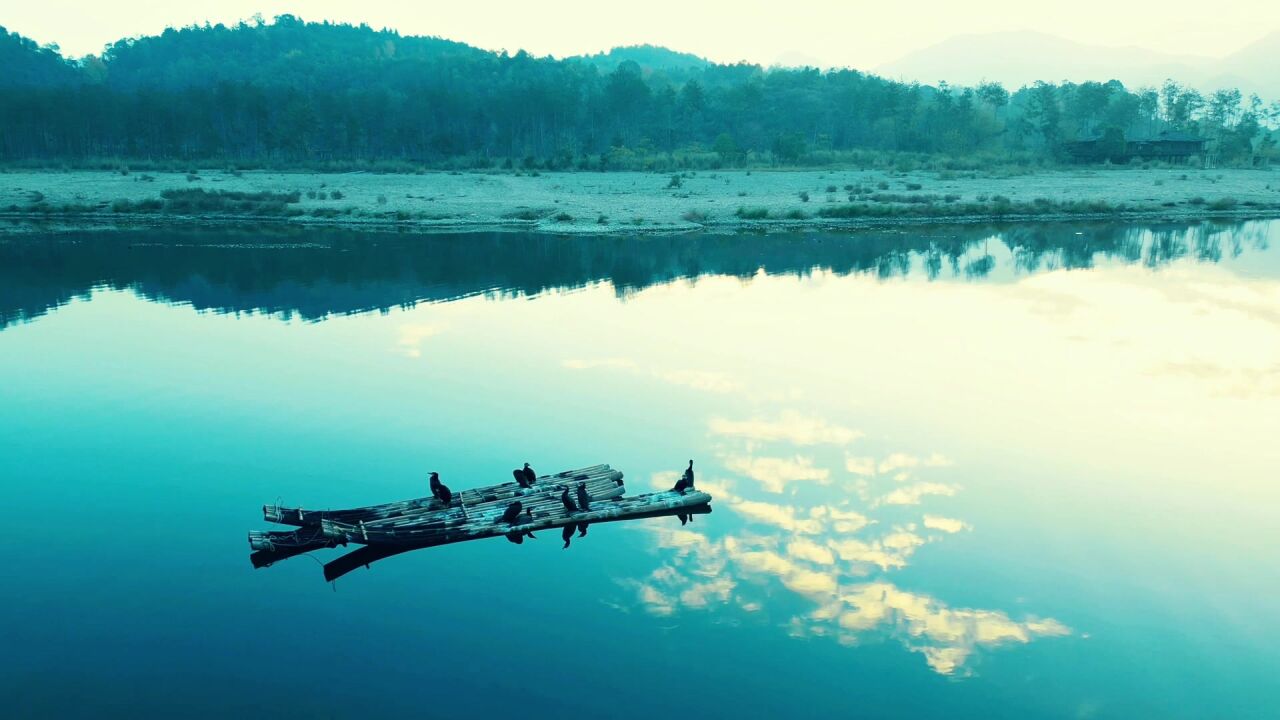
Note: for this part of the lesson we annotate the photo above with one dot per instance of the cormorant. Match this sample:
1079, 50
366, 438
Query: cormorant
439, 490
515, 537
512, 513
582, 529
529, 475
568, 502
567, 535
584, 500
685, 482
518, 474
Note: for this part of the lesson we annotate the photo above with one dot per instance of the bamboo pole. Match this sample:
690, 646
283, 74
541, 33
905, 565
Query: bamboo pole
365, 555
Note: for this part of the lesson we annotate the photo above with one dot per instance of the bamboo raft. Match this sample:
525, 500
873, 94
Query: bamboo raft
474, 514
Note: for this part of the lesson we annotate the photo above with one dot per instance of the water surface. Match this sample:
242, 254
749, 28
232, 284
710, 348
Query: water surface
1021, 471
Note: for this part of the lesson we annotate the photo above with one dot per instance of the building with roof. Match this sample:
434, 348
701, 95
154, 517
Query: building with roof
1120, 147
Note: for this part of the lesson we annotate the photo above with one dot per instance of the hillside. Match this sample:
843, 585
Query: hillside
290, 92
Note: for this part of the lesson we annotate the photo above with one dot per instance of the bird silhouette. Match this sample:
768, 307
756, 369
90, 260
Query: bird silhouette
568, 502
439, 490
512, 513
686, 481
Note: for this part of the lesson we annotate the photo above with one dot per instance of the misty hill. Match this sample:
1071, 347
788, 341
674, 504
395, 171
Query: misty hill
1021, 58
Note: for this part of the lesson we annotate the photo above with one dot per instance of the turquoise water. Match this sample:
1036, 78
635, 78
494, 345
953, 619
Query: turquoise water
966, 472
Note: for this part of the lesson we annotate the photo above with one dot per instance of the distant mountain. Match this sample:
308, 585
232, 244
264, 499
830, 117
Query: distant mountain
1255, 68
796, 59
1021, 58
648, 57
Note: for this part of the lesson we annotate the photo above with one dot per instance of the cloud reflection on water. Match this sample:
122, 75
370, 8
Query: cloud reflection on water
833, 558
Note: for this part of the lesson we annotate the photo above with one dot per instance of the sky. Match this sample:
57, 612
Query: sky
820, 32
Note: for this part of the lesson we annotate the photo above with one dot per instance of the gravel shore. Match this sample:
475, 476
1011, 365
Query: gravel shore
640, 202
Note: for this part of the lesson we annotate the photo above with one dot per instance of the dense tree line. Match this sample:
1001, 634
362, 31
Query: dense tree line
295, 92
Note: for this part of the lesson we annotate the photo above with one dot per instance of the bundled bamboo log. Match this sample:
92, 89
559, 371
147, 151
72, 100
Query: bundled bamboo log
392, 528
546, 513
366, 555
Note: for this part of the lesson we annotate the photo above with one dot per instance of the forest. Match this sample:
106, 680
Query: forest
288, 93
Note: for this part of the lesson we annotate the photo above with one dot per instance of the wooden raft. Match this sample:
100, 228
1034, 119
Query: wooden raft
473, 514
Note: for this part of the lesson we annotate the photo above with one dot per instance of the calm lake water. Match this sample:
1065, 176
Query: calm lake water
970, 472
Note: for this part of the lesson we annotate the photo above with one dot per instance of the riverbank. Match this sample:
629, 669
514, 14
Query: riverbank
629, 202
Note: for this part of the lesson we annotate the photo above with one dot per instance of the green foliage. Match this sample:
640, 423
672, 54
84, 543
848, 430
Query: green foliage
202, 202
996, 206
326, 96
757, 213
526, 214
205, 202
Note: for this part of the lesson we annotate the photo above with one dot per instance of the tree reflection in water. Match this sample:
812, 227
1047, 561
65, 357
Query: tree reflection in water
314, 274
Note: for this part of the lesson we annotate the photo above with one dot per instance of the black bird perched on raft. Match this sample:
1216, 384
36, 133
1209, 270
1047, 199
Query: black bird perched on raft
686, 482
529, 475
584, 500
568, 502
512, 513
439, 490
518, 474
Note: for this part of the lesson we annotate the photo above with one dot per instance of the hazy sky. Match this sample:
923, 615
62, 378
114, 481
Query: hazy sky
824, 32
